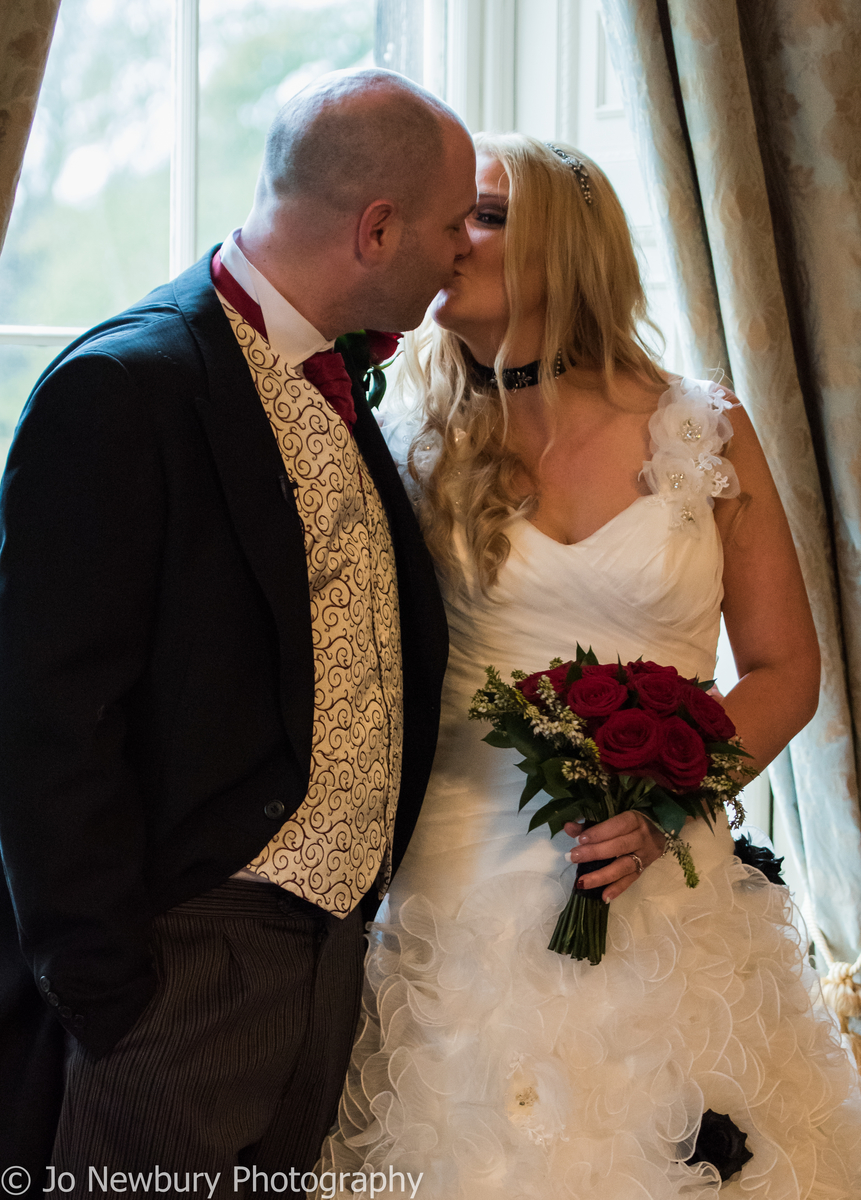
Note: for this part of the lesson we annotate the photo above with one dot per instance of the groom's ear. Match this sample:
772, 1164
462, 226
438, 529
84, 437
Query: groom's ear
378, 233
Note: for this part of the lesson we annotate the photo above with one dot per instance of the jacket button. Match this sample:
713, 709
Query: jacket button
78, 1020
274, 809
64, 1011
53, 998
44, 983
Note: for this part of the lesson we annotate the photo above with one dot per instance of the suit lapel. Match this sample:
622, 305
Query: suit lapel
258, 494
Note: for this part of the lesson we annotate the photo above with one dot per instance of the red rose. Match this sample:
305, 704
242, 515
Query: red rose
659, 692
682, 759
611, 669
381, 346
596, 696
529, 685
649, 668
628, 740
709, 715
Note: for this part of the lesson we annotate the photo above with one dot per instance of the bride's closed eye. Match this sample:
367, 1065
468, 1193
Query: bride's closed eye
492, 217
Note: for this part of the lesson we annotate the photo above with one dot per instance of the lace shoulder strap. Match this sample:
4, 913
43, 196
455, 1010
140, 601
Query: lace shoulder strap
689, 430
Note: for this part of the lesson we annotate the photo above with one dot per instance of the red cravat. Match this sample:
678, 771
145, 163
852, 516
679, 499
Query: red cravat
325, 370
328, 374
236, 296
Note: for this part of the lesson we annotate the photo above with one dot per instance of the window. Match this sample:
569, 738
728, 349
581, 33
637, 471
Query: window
144, 151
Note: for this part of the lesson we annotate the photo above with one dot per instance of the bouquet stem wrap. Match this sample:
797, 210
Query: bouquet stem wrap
581, 930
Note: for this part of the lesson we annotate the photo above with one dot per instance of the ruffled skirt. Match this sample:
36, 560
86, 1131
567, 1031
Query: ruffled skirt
498, 1070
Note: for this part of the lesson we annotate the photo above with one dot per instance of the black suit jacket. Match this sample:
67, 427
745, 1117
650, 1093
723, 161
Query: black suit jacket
156, 662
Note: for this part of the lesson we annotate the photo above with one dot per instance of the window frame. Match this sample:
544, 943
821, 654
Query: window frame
182, 226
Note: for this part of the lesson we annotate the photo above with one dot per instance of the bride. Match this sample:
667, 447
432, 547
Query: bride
590, 498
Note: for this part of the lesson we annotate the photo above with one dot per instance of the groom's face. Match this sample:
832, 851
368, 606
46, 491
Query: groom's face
436, 238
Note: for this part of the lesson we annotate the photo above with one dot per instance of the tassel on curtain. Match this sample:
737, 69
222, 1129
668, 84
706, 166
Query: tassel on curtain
841, 989
748, 114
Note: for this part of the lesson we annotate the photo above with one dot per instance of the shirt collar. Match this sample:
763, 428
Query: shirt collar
291, 337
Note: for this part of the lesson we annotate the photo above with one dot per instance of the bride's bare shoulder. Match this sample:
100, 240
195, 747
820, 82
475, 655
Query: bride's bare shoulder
628, 393
636, 394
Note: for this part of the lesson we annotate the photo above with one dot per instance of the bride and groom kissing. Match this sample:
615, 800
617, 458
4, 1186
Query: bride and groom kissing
223, 648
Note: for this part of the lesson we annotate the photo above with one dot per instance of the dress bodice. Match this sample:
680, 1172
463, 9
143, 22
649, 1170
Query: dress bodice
646, 584
634, 588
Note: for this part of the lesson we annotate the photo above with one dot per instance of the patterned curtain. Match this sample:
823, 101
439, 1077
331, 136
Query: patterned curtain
748, 114
26, 28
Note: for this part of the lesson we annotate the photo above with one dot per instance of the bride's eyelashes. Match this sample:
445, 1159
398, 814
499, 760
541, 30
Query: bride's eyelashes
493, 218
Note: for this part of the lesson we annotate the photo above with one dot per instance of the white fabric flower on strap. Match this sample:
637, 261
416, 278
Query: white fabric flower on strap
689, 430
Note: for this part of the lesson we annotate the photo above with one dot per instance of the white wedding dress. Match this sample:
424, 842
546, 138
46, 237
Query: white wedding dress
501, 1070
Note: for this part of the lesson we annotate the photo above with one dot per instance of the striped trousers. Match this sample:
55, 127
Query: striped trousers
237, 1062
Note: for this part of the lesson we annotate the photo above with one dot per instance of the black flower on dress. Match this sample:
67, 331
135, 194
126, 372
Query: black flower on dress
760, 857
721, 1143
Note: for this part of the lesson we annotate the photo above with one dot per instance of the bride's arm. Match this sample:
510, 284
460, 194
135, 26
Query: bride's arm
773, 641
765, 607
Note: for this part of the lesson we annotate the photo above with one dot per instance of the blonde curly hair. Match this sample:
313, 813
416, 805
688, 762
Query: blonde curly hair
595, 305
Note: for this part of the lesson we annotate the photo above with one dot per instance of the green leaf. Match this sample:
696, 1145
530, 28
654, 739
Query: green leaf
548, 811
574, 672
522, 736
375, 386
555, 825
670, 815
355, 350
727, 748
588, 657
556, 821
498, 739
579, 811
682, 712
555, 783
531, 788
635, 788
705, 684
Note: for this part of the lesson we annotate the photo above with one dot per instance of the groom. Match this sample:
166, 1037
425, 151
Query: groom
221, 649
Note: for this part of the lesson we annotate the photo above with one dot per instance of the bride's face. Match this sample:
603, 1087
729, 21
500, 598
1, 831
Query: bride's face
474, 305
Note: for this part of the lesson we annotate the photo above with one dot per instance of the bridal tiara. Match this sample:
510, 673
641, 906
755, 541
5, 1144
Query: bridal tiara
577, 166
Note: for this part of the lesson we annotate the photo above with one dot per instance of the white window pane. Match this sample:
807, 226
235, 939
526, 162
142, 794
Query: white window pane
89, 231
254, 54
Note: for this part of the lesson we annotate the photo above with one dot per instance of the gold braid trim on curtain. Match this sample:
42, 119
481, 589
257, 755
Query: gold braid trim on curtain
26, 29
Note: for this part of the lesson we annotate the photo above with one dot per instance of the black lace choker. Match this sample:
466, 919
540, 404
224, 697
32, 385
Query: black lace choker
513, 378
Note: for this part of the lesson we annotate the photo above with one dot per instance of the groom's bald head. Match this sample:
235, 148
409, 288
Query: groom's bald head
351, 138
361, 206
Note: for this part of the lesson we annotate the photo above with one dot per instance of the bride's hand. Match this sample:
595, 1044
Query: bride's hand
619, 838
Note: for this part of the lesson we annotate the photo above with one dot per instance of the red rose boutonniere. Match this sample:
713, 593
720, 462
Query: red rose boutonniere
365, 352
382, 346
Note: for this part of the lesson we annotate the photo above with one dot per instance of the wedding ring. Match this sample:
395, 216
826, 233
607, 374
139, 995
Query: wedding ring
638, 863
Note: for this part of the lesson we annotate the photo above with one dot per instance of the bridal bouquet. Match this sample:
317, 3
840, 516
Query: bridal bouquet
603, 738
